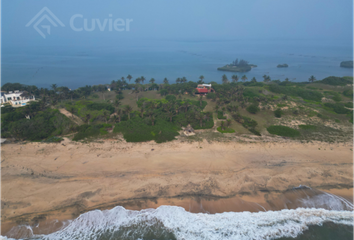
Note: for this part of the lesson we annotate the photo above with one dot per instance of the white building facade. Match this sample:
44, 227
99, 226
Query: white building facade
16, 98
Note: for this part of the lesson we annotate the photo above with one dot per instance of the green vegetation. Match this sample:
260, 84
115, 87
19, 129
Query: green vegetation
282, 65
308, 127
347, 64
337, 108
336, 81
296, 92
226, 130
277, 113
156, 112
253, 108
221, 115
283, 131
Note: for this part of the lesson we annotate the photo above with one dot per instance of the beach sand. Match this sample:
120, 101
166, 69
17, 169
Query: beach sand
42, 181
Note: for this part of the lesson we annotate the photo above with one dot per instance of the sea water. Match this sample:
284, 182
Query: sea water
322, 216
76, 66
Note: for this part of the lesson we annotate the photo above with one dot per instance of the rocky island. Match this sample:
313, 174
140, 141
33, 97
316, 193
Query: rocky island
238, 66
347, 64
282, 65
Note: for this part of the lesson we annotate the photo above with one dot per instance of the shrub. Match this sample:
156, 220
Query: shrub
349, 104
253, 108
227, 130
296, 91
221, 115
136, 130
211, 96
170, 98
283, 131
336, 81
278, 113
95, 96
53, 139
337, 108
348, 93
308, 127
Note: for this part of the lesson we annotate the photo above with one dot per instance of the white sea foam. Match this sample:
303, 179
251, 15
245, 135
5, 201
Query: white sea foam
186, 225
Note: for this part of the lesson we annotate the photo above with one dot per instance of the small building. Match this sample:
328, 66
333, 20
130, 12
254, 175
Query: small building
188, 131
204, 88
17, 98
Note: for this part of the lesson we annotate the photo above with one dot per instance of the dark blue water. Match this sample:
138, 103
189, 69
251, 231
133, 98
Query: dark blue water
82, 65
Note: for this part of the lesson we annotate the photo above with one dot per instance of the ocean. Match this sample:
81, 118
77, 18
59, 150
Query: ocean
76, 66
319, 216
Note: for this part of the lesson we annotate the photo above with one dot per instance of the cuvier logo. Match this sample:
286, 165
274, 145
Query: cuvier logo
45, 13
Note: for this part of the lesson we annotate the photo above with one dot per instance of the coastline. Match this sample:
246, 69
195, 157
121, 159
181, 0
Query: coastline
61, 181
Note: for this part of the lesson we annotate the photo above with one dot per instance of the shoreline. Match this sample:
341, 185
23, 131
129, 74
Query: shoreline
61, 181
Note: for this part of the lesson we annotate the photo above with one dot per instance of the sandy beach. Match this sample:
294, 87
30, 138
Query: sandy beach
60, 181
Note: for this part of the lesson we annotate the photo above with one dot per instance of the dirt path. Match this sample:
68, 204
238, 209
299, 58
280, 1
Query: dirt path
74, 118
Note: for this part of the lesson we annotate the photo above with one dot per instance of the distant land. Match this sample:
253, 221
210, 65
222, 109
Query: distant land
282, 65
238, 66
347, 64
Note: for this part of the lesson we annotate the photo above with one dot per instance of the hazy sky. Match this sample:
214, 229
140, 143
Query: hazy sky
182, 19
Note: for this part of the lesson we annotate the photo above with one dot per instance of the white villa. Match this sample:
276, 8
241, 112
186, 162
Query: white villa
17, 98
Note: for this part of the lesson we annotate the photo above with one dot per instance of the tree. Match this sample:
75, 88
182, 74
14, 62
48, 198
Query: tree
224, 79
88, 117
312, 79
201, 77
129, 77
277, 113
178, 80
105, 115
216, 108
119, 113
138, 80
244, 78
183, 80
234, 78
254, 80
165, 81
54, 87
152, 80
123, 79
117, 103
222, 125
286, 79
127, 110
201, 100
142, 79
199, 116
72, 111
228, 122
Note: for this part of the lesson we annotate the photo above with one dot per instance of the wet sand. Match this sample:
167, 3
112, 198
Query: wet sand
48, 182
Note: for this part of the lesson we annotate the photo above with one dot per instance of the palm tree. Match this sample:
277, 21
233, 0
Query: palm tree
117, 103
228, 122
165, 81
178, 80
201, 78
128, 110
186, 106
201, 100
119, 113
88, 116
105, 115
122, 78
152, 80
244, 78
312, 79
183, 80
265, 78
286, 79
142, 79
54, 87
224, 79
234, 78
222, 126
129, 77
199, 116
72, 111
137, 80
253, 79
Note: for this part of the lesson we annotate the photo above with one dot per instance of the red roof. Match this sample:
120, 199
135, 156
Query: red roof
202, 90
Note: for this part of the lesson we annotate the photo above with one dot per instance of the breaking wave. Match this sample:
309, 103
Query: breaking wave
171, 222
